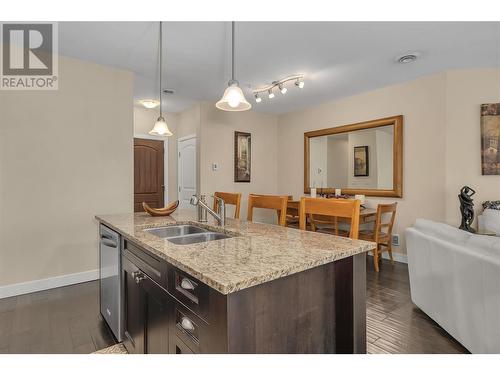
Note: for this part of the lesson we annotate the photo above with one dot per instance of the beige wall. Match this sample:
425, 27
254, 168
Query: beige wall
422, 104
466, 91
144, 120
65, 156
214, 131
217, 146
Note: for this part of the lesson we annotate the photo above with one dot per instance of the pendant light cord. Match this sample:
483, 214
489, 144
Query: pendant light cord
160, 52
232, 50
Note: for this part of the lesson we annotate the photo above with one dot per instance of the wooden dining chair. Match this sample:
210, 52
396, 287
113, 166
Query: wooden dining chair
381, 232
347, 208
292, 216
274, 202
229, 198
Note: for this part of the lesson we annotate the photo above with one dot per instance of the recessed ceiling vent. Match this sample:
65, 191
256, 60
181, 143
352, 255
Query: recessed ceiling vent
405, 59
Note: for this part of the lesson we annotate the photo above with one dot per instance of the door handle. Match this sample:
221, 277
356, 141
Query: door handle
138, 276
108, 242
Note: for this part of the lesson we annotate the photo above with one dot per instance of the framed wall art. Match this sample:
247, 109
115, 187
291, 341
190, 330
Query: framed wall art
361, 161
490, 139
242, 156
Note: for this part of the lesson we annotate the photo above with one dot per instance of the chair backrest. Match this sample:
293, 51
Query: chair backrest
229, 198
274, 202
380, 224
347, 208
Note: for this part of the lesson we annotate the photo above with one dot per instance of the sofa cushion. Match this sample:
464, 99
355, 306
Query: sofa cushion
491, 205
489, 245
490, 220
443, 231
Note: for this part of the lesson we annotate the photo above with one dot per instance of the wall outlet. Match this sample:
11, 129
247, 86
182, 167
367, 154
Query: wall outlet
395, 239
215, 167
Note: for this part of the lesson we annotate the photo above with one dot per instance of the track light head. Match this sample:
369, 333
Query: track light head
271, 93
258, 99
282, 88
299, 83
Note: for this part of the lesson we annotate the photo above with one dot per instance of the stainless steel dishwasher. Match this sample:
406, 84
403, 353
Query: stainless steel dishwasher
110, 279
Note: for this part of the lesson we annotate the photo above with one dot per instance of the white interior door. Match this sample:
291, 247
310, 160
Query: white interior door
186, 171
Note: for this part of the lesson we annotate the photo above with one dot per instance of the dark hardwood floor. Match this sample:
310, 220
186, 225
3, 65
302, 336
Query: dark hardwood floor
66, 320
394, 323
61, 320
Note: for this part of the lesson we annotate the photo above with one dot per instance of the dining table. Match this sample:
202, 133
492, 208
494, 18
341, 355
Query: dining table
366, 215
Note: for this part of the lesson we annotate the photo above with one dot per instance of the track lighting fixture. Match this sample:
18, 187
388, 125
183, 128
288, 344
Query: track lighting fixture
280, 84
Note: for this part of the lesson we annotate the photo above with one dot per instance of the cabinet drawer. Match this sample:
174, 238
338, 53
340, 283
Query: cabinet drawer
154, 268
188, 327
188, 290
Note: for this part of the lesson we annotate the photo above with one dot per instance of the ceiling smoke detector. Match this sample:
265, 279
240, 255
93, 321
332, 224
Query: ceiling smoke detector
405, 59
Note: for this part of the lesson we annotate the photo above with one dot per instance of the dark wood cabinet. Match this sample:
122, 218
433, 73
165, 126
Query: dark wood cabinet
146, 312
133, 309
320, 310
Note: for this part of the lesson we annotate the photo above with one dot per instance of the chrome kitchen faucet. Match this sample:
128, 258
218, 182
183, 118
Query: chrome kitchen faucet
203, 209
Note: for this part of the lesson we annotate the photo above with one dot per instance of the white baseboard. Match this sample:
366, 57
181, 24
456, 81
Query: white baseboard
44, 284
398, 257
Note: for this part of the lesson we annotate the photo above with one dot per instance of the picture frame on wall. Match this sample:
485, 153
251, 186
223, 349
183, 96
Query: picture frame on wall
242, 156
361, 161
490, 139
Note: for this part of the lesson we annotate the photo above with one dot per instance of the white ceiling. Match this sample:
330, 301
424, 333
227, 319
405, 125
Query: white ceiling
338, 59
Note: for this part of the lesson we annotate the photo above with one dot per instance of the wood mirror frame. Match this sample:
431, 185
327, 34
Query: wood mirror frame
397, 173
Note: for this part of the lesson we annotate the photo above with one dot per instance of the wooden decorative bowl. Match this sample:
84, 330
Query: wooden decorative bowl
165, 211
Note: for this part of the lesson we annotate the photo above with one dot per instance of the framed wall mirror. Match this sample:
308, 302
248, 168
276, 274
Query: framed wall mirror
364, 158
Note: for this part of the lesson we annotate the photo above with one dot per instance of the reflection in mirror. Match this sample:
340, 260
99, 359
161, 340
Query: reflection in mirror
358, 159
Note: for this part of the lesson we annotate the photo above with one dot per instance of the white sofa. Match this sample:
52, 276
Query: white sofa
489, 221
455, 279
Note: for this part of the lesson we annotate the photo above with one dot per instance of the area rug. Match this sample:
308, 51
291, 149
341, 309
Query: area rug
114, 349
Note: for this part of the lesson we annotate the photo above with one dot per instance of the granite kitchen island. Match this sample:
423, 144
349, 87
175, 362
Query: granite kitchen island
260, 289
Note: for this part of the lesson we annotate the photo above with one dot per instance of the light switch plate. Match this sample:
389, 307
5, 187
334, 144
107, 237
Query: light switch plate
215, 167
395, 239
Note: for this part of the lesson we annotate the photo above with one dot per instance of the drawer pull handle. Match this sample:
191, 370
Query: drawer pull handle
187, 284
187, 324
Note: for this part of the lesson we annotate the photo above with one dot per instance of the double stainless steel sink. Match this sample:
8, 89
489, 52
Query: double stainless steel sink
186, 234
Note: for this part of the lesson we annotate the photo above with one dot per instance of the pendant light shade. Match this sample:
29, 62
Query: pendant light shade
161, 128
233, 99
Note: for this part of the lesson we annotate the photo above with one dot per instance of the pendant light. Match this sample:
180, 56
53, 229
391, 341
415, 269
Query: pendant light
233, 99
161, 128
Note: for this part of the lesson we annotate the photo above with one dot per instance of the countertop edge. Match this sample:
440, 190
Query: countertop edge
233, 287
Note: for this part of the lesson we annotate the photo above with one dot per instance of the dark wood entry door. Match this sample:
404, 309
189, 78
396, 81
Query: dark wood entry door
148, 173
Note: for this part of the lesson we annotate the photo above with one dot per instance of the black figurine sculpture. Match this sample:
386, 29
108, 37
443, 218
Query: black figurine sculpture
467, 208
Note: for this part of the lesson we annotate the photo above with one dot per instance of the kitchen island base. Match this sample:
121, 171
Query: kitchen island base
320, 310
